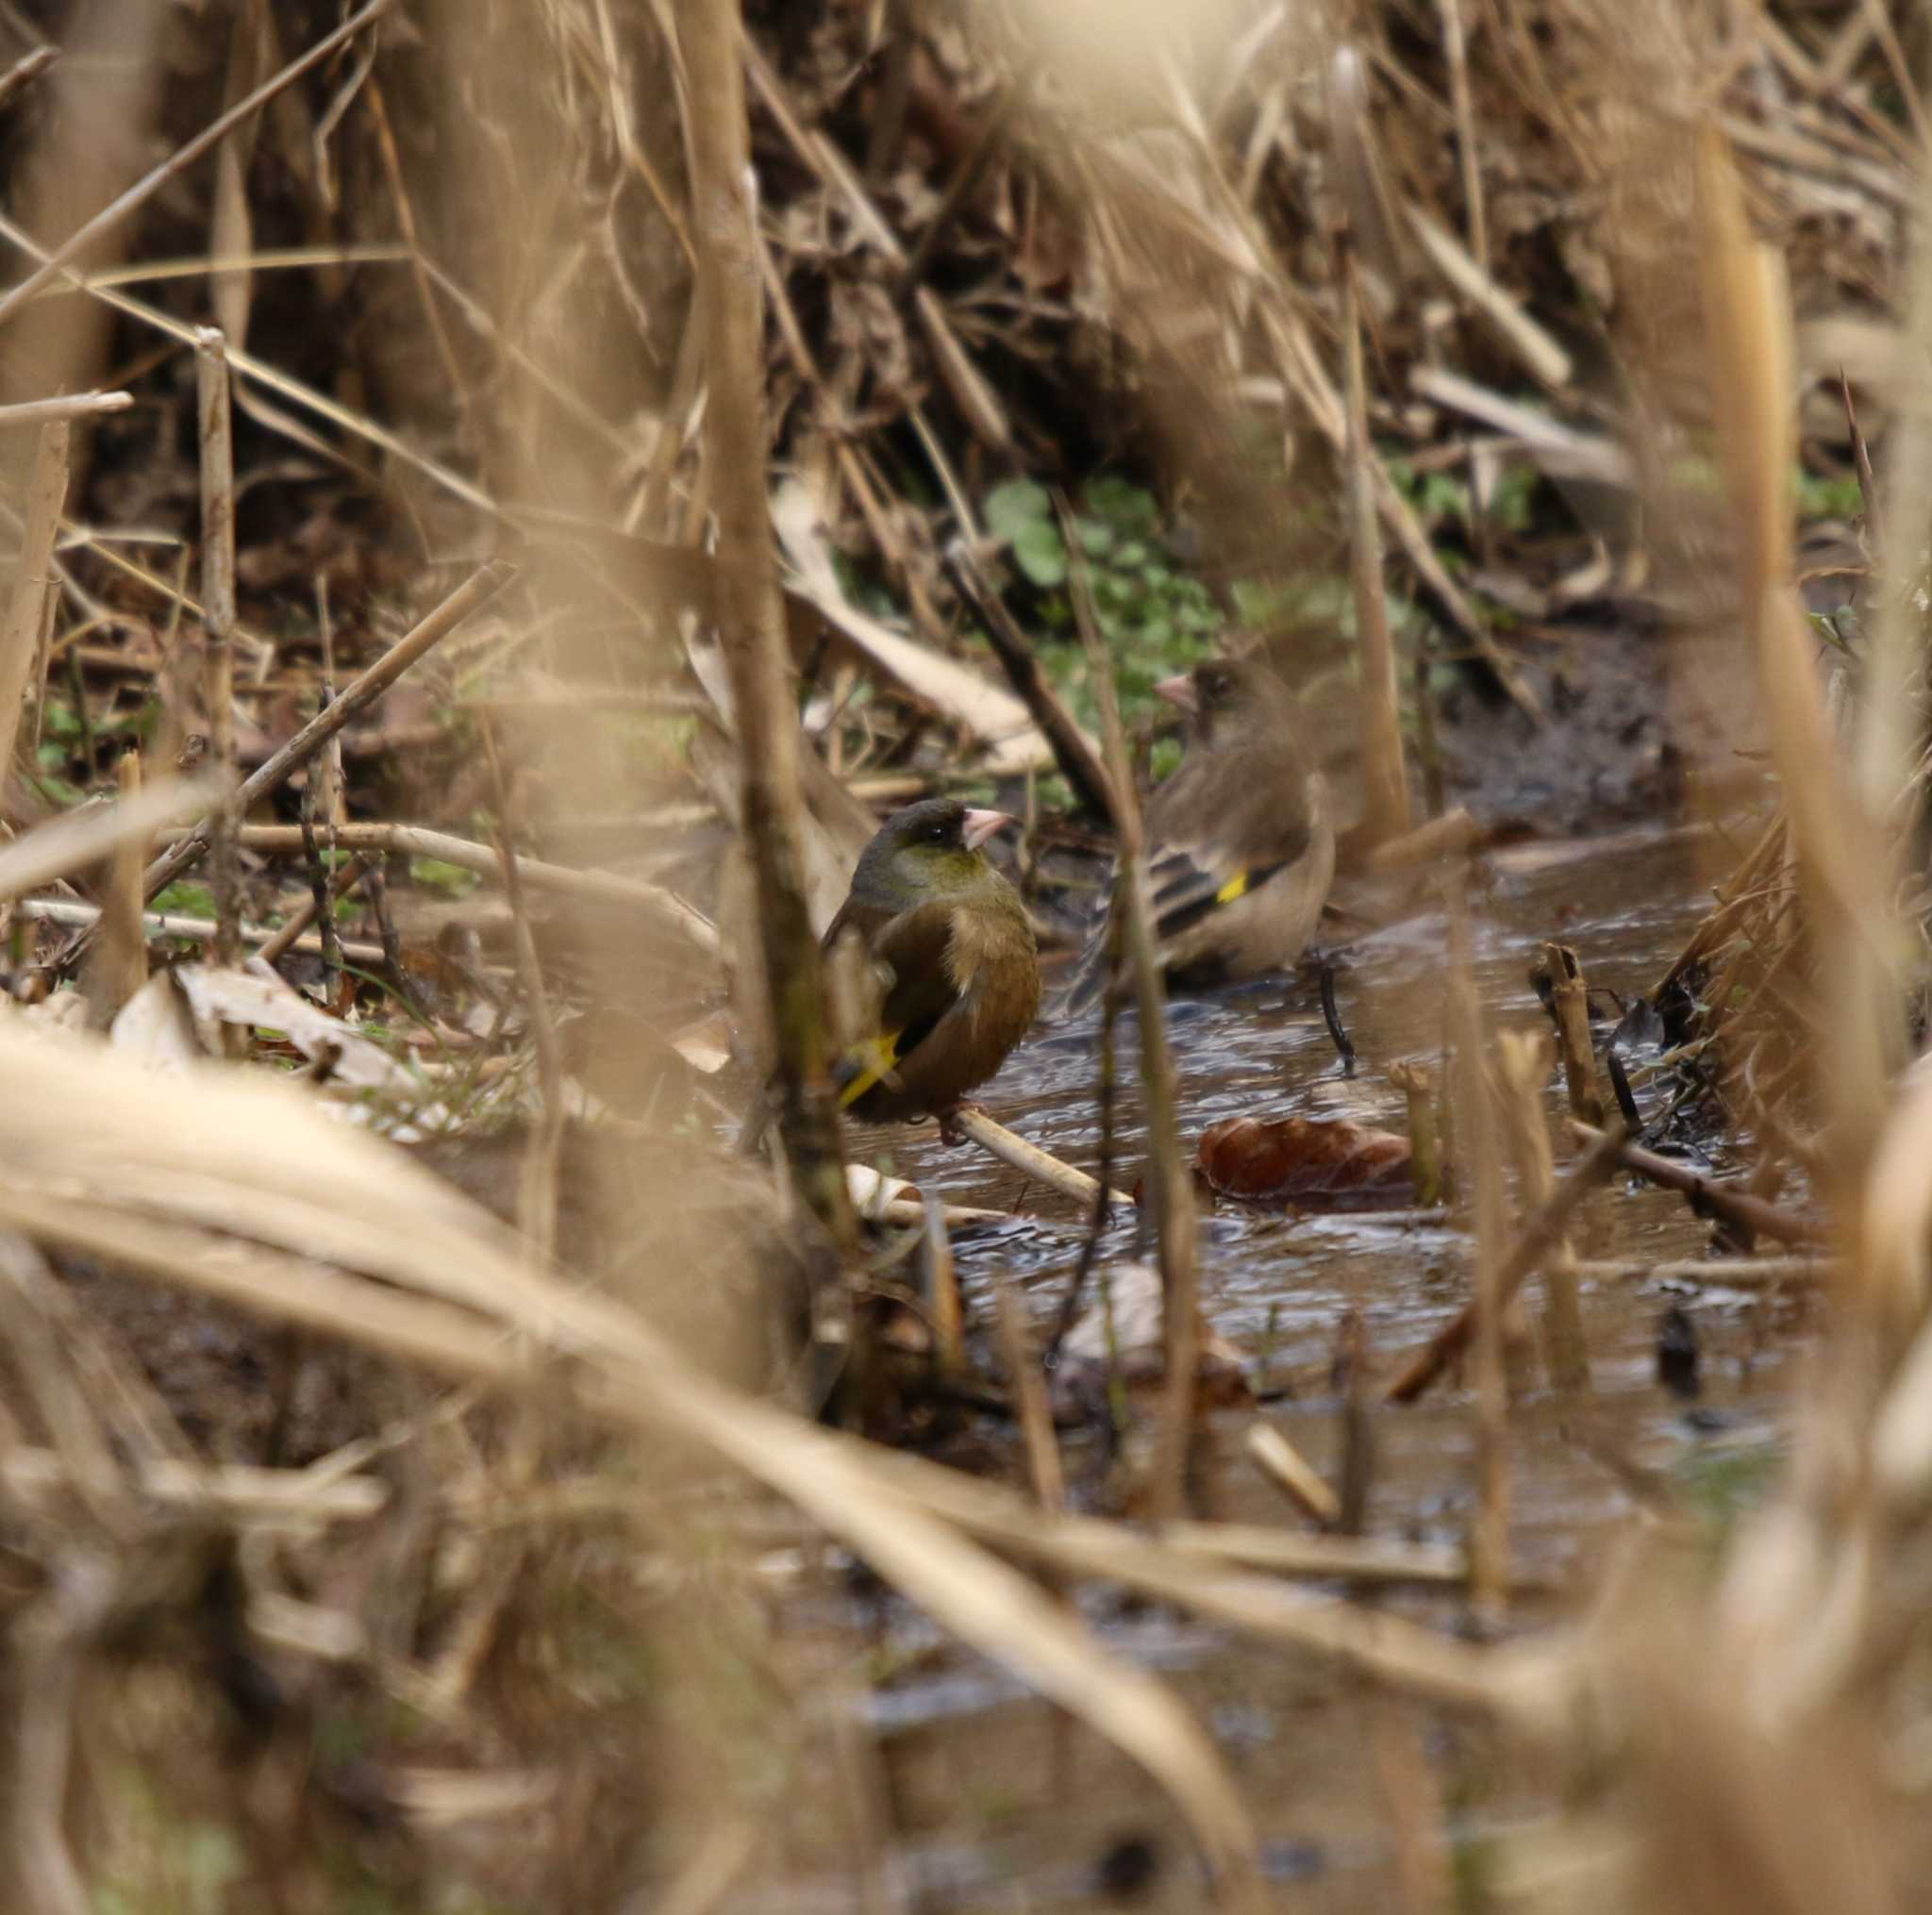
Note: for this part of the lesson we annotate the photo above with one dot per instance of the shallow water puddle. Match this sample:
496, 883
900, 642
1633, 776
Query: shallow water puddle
993, 1801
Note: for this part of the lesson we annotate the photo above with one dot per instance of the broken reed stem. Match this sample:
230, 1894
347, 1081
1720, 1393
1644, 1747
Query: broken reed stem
1102, 1208
143, 189
1291, 1473
997, 1141
1543, 1228
120, 960
1451, 834
1417, 1083
74, 406
217, 464
1708, 1195
1570, 1007
1456, 48
1526, 1067
749, 608
1476, 1129
481, 586
943, 1301
1169, 1178
1030, 1397
1388, 813
1729, 1272
19, 644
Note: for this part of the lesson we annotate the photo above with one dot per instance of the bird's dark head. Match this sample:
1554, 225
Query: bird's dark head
928, 850
1225, 698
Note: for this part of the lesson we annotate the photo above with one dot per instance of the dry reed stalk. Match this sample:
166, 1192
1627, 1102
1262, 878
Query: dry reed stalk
997, 1141
80, 405
1380, 717
1569, 1008
1737, 1207
1291, 1473
1169, 1178
1456, 48
1453, 834
1029, 1393
457, 1281
120, 962
27, 609
217, 467
74, 915
1417, 1083
1842, 854
1525, 1063
1729, 1272
1480, 1152
29, 66
941, 1280
750, 611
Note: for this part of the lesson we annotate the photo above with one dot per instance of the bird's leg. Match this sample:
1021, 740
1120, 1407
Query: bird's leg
949, 1125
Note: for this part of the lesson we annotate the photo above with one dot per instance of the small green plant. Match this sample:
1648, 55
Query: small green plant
453, 881
1155, 616
185, 900
1837, 496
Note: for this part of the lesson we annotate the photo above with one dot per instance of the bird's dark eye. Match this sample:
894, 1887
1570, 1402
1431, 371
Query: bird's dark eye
937, 833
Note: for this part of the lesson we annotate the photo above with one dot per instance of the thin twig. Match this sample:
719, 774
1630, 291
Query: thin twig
217, 464
337, 885
1708, 1195
997, 1141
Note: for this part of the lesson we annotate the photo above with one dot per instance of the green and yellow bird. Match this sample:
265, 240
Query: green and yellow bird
955, 959
1241, 840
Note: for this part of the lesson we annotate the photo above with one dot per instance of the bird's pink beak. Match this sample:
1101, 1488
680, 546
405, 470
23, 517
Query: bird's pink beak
980, 825
1180, 691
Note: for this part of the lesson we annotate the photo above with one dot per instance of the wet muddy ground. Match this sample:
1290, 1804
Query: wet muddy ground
991, 1801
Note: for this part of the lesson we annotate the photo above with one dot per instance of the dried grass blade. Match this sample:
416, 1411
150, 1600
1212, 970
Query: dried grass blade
19, 643
256, 1157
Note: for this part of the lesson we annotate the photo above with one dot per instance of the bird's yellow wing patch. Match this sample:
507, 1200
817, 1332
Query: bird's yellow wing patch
870, 1063
1236, 887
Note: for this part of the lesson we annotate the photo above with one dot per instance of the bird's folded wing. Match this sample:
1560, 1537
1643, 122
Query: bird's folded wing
1184, 885
914, 946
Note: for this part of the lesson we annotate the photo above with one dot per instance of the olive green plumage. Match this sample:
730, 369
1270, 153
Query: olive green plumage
1239, 840
956, 959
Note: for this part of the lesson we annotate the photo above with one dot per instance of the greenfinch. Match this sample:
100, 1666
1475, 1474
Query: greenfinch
951, 952
1241, 841
955, 956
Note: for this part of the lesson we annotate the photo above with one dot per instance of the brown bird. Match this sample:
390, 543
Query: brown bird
956, 956
1241, 841
953, 954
